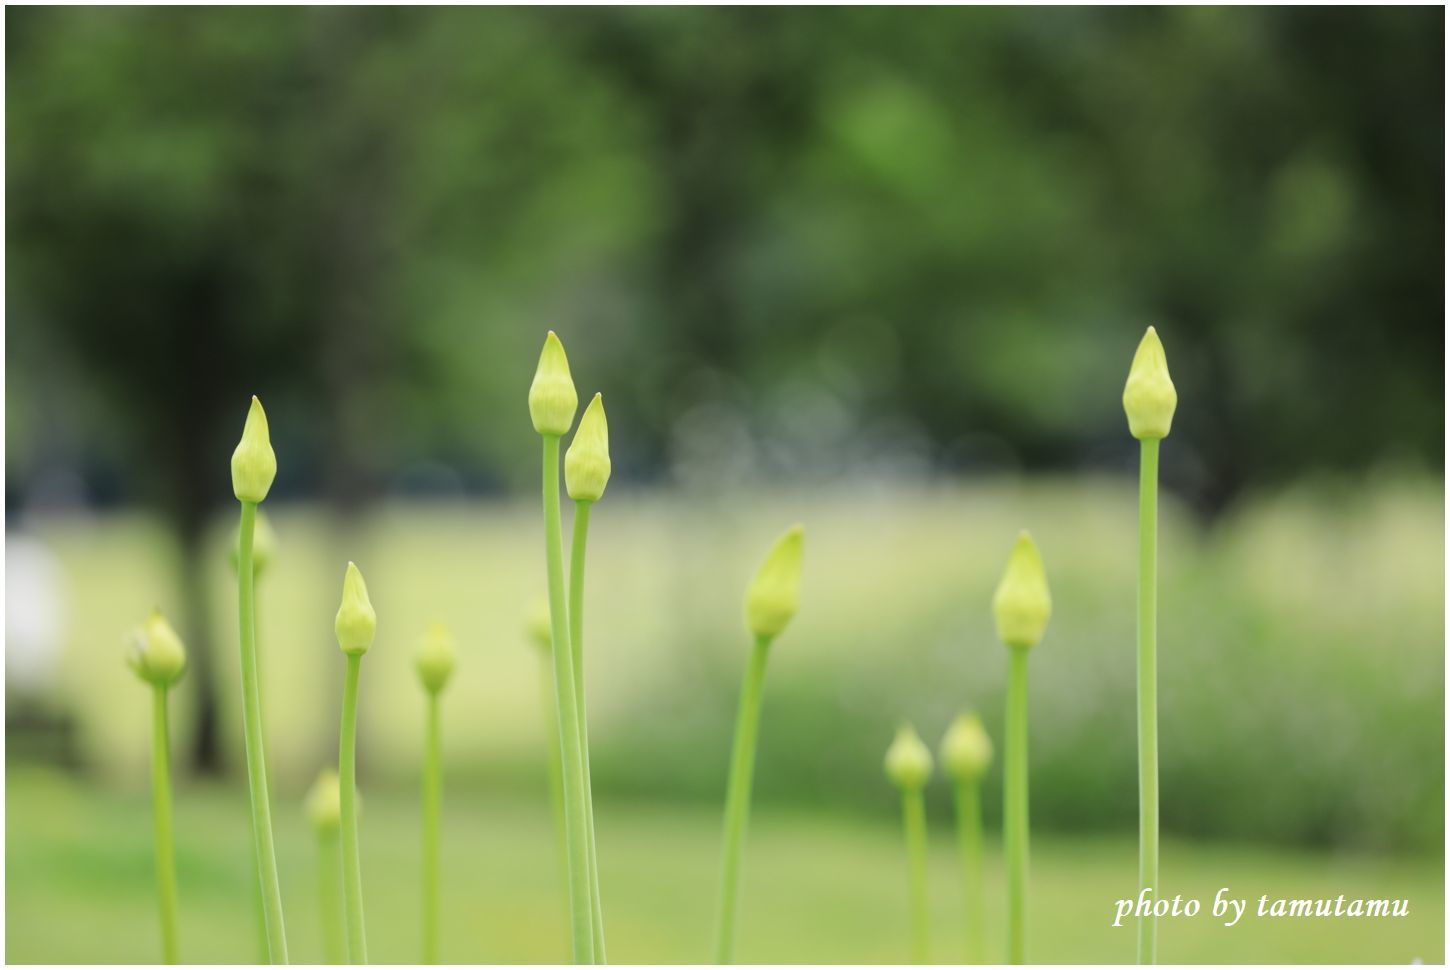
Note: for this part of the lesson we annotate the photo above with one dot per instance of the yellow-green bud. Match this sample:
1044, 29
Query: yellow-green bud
966, 751
435, 658
254, 465
356, 622
324, 802
586, 463
538, 625
1149, 397
775, 592
156, 652
1022, 604
908, 762
264, 545
552, 398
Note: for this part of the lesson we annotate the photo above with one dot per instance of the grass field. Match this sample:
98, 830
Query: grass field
817, 888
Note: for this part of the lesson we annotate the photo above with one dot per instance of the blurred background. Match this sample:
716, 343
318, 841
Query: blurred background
881, 272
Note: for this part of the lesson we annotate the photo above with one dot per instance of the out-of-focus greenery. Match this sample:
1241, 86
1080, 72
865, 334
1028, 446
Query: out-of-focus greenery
817, 889
1301, 648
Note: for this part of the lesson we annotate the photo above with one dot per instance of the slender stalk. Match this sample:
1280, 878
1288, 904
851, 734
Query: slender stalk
329, 905
913, 814
432, 807
576, 637
581, 911
556, 773
256, 753
161, 807
737, 796
259, 908
1014, 802
1148, 693
969, 844
357, 945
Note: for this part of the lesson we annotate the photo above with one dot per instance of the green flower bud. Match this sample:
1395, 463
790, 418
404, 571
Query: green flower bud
1022, 604
552, 398
324, 802
356, 624
155, 652
1149, 397
966, 751
586, 463
264, 545
908, 762
775, 592
538, 625
435, 658
254, 465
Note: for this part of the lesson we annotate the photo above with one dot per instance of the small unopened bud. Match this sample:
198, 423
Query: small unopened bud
552, 398
586, 463
538, 625
908, 762
254, 465
775, 592
155, 651
264, 545
356, 624
324, 802
435, 658
966, 751
1022, 604
1149, 397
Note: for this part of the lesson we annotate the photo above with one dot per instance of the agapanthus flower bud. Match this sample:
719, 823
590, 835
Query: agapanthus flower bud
552, 398
1022, 604
356, 624
264, 545
775, 592
324, 802
155, 652
908, 762
254, 465
586, 463
435, 658
966, 751
538, 625
1149, 397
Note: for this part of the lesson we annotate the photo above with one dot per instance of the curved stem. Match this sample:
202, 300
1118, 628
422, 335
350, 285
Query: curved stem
357, 944
1148, 693
432, 808
913, 814
256, 753
581, 912
161, 806
576, 639
1014, 804
969, 844
737, 797
329, 906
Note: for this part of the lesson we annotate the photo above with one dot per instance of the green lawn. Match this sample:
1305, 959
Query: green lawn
817, 888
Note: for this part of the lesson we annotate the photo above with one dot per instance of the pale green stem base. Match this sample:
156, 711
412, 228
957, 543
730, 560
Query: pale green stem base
329, 898
432, 809
913, 815
581, 910
969, 844
1014, 804
252, 730
576, 637
161, 807
357, 942
737, 797
1148, 693
556, 772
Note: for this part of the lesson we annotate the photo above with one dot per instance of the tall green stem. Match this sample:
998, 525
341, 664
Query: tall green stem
329, 905
432, 808
913, 815
556, 773
737, 797
252, 730
357, 944
259, 907
1148, 693
161, 808
576, 638
1014, 804
581, 911
969, 844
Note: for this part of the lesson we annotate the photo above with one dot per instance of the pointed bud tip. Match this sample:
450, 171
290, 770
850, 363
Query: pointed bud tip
1149, 397
552, 396
356, 622
586, 463
1022, 604
774, 594
254, 464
